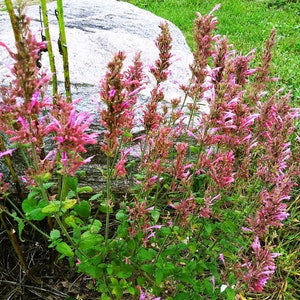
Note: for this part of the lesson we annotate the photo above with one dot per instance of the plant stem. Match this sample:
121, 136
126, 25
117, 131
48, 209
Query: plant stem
49, 47
13, 20
64, 48
66, 233
12, 170
24, 218
108, 198
14, 242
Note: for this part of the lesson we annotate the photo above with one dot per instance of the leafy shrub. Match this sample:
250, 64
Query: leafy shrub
207, 186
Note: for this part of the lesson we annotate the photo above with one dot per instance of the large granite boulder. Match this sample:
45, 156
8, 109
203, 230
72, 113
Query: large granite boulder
96, 30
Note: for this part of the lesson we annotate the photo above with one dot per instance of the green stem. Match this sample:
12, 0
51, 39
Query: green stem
49, 47
108, 198
12, 170
14, 242
13, 20
24, 218
66, 233
64, 49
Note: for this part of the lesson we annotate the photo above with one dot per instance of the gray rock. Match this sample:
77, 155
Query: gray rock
95, 31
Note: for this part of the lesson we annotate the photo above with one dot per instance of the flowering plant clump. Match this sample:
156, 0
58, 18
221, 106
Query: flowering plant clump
206, 186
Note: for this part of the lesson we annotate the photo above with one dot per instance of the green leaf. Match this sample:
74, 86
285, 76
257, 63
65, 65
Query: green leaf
70, 221
121, 215
148, 268
103, 208
146, 254
159, 275
126, 271
230, 293
85, 189
182, 296
83, 209
64, 249
51, 208
208, 228
127, 134
68, 203
54, 234
96, 197
29, 204
194, 149
90, 242
96, 226
155, 215
48, 185
33, 209
71, 182
21, 226
208, 286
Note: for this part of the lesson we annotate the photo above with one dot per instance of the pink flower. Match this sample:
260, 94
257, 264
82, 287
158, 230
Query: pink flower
120, 165
7, 152
260, 268
70, 133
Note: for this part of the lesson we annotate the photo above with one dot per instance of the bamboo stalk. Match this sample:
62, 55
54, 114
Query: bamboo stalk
49, 47
13, 20
64, 48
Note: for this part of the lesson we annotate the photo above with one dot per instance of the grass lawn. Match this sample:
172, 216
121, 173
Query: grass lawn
247, 24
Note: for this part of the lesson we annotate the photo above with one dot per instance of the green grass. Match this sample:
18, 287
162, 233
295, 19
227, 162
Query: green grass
247, 25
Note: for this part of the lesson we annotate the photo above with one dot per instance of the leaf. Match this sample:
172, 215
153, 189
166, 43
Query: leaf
51, 208
29, 204
194, 149
159, 276
96, 197
83, 209
54, 234
48, 185
64, 249
96, 226
21, 226
69, 203
70, 221
148, 268
155, 215
33, 209
127, 134
85, 189
121, 215
126, 271
146, 254
71, 182
90, 242
230, 293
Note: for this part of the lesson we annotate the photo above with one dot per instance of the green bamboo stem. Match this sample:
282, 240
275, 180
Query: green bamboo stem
49, 47
13, 20
64, 48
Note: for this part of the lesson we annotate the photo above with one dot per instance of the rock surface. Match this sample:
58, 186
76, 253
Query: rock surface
95, 31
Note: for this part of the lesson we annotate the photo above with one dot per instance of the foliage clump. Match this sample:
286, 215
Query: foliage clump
207, 187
